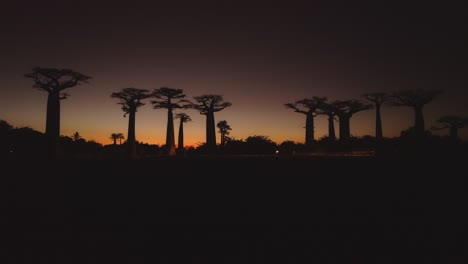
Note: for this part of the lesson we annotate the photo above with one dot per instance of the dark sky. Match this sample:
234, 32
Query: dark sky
257, 54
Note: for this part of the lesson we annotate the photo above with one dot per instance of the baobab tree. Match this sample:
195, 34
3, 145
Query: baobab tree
416, 99
377, 99
208, 105
131, 99
453, 123
345, 110
224, 129
329, 110
184, 118
54, 82
170, 99
117, 136
308, 108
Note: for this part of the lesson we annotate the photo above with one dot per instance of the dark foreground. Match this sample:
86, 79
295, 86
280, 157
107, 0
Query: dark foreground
234, 210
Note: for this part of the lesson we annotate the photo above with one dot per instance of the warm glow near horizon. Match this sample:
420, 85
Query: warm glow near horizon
252, 58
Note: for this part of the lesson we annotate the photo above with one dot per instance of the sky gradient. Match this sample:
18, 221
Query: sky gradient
257, 55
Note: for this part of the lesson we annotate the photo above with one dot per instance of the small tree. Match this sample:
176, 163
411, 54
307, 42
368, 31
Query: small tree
117, 136
76, 136
224, 129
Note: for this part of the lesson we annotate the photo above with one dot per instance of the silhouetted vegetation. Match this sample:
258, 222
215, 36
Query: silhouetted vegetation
378, 99
170, 99
54, 82
453, 123
184, 118
416, 99
117, 136
415, 141
308, 108
345, 110
224, 129
131, 99
207, 105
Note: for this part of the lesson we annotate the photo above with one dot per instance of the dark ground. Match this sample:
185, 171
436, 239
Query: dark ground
234, 210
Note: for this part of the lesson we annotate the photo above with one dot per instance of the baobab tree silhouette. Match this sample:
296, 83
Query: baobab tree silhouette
207, 105
416, 99
308, 108
345, 110
453, 123
329, 110
184, 118
169, 98
131, 99
54, 81
378, 99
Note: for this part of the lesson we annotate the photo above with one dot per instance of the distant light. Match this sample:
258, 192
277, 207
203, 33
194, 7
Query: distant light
277, 151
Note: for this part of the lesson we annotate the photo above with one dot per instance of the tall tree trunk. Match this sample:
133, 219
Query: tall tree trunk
419, 121
454, 132
115, 141
53, 123
331, 128
210, 132
344, 128
378, 123
131, 140
309, 129
180, 145
170, 139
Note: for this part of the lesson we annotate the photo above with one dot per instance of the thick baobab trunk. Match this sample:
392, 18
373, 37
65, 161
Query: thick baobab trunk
53, 123
331, 128
378, 123
210, 132
345, 133
180, 145
309, 129
419, 122
115, 141
131, 140
170, 139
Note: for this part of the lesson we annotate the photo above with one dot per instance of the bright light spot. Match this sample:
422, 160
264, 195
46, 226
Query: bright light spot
277, 151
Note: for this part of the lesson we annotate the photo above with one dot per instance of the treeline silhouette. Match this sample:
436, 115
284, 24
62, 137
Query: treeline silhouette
25, 142
415, 140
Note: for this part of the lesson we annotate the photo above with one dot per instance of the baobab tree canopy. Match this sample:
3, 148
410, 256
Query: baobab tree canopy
164, 97
131, 98
306, 105
52, 79
210, 103
350, 107
414, 97
308, 108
